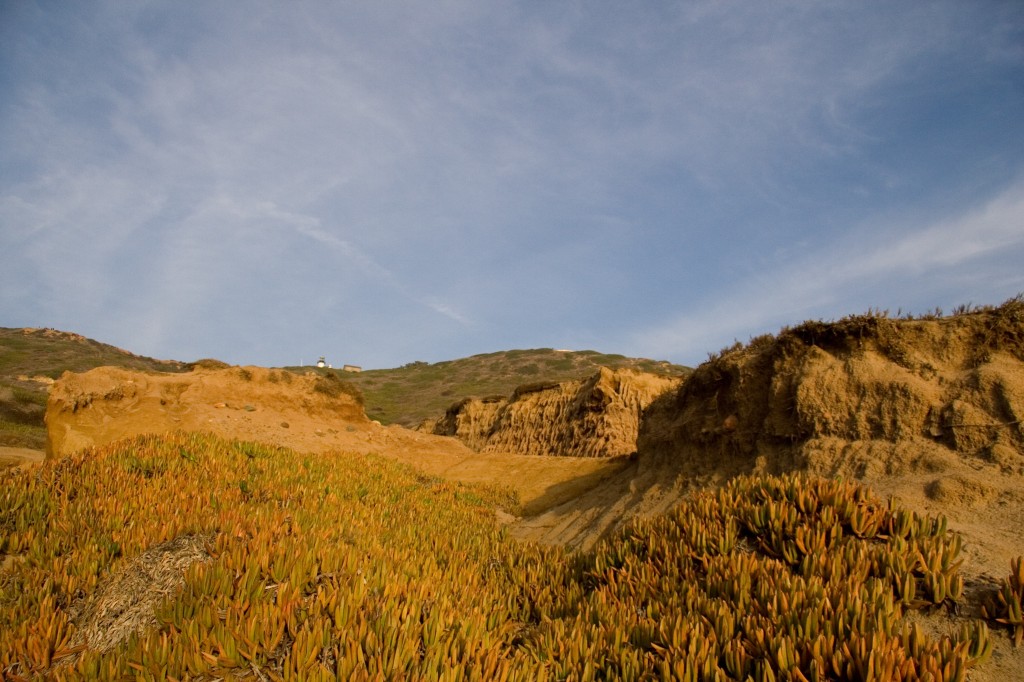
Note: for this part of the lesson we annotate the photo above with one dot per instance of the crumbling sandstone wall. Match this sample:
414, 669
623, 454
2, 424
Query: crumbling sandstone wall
865, 396
595, 417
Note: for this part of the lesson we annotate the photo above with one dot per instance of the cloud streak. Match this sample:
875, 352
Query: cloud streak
433, 181
844, 279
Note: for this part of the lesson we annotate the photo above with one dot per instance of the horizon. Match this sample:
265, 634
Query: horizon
388, 184
965, 308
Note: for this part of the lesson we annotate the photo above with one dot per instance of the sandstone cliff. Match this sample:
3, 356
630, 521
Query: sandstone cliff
928, 411
596, 417
865, 397
108, 403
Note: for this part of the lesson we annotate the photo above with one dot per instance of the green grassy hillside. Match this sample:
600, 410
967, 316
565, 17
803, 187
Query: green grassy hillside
405, 395
408, 395
28, 357
49, 353
189, 556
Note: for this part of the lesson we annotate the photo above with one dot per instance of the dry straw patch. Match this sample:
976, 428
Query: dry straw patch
126, 605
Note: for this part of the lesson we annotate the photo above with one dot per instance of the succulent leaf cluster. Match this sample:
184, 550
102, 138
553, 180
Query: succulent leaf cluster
347, 567
1005, 606
783, 578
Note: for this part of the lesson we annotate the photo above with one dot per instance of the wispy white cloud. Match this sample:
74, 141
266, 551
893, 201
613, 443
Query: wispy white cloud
406, 166
448, 311
842, 279
995, 226
309, 226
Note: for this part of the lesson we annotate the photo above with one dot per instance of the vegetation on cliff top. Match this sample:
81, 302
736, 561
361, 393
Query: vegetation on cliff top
999, 328
407, 395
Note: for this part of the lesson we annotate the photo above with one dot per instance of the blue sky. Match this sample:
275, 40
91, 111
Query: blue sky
384, 182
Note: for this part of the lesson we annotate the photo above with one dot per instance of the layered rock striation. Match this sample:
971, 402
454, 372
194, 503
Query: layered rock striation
595, 417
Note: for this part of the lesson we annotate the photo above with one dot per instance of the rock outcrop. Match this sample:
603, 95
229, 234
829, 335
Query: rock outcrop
596, 417
865, 397
926, 410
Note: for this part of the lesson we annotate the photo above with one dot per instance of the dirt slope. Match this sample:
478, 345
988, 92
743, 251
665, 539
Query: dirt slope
929, 411
14, 457
595, 417
934, 402
108, 403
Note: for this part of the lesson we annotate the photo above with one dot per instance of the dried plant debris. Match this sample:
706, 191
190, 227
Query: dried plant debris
127, 602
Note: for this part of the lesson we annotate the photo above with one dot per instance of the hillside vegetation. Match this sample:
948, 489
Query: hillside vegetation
734, 545
189, 556
31, 358
417, 391
50, 353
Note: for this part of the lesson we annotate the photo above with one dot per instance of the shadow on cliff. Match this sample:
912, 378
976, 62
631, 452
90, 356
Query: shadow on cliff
567, 491
869, 397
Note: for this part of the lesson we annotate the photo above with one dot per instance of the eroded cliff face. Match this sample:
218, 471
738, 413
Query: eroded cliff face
596, 417
312, 413
865, 397
928, 411
109, 403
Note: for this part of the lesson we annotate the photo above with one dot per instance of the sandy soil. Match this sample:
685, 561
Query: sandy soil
987, 509
11, 457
